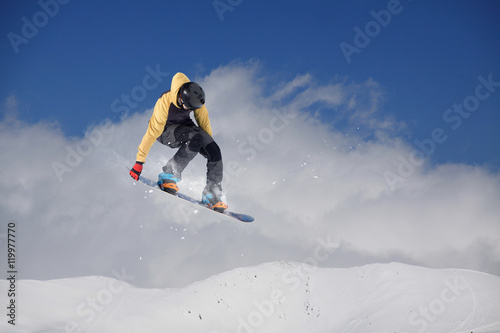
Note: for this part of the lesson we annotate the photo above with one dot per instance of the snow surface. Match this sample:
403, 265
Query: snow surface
272, 297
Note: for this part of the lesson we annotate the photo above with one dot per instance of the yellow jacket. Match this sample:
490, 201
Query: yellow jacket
160, 116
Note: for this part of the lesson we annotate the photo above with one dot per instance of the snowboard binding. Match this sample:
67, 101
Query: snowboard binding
168, 183
213, 202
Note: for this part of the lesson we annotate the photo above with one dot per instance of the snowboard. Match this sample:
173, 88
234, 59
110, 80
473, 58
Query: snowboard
237, 216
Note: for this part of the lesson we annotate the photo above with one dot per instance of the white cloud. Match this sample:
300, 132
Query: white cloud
79, 212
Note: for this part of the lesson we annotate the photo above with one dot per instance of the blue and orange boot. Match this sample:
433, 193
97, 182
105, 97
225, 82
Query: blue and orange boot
168, 183
211, 197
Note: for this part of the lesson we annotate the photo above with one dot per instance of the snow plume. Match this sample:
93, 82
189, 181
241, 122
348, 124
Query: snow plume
320, 167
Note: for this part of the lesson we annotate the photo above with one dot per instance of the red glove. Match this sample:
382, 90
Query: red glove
135, 172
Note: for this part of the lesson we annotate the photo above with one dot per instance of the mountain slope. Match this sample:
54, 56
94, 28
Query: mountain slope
273, 297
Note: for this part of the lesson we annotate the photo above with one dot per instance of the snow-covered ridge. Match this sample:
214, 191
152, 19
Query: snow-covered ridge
272, 297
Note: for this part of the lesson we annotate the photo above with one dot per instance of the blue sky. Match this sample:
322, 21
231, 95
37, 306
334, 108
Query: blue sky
428, 57
281, 95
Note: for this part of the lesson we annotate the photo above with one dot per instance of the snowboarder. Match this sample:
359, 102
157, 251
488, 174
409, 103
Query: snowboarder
172, 126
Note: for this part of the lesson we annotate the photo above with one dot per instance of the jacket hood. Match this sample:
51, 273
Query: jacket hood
177, 81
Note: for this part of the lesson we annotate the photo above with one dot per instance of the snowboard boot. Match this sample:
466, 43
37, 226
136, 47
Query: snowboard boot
211, 197
168, 183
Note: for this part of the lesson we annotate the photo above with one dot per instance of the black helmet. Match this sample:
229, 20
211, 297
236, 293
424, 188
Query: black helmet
191, 95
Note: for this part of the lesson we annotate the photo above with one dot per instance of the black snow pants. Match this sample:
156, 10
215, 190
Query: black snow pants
192, 140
